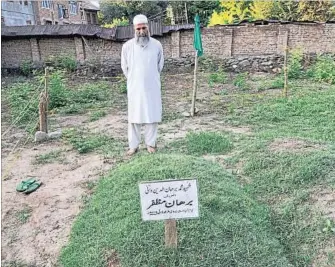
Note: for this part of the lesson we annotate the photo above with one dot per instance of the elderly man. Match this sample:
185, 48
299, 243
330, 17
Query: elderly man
142, 62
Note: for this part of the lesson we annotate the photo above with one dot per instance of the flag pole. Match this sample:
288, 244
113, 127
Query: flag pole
198, 52
194, 96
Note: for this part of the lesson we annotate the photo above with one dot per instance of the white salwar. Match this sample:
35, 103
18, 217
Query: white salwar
134, 134
142, 66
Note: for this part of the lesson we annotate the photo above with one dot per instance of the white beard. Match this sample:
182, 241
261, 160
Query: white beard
142, 40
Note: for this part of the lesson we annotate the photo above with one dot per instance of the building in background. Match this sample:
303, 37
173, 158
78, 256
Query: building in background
19, 13
89, 13
14, 13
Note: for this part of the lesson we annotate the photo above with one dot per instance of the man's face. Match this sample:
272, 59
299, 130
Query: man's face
141, 30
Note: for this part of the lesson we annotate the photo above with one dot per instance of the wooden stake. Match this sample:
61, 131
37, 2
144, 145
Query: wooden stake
285, 72
46, 82
42, 113
43, 105
194, 84
171, 233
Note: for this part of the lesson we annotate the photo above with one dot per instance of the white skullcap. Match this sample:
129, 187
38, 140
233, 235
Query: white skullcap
140, 19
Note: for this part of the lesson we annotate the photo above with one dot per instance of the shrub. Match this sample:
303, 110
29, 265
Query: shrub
295, 67
323, 70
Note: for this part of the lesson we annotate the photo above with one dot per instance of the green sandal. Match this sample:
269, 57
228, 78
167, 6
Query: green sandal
32, 187
23, 186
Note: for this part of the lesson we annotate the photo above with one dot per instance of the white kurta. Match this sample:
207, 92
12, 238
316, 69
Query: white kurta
142, 67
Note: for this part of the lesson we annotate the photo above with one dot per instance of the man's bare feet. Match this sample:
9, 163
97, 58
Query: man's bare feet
131, 151
151, 149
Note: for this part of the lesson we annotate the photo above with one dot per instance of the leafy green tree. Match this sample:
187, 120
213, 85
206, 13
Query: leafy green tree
320, 10
127, 10
203, 8
317, 10
232, 12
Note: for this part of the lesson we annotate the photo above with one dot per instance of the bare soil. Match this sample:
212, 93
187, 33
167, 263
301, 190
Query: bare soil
293, 145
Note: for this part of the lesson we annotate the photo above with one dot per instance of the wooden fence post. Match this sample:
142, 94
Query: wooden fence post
43, 105
194, 96
285, 71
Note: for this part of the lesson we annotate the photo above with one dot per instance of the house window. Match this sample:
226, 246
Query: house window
73, 8
94, 18
88, 17
25, 3
60, 11
63, 13
46, 4
82, 15
48, 22
28, 22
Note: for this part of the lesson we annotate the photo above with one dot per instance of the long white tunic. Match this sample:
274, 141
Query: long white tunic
142, 67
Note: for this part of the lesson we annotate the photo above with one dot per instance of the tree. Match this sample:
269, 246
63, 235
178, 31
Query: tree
127, 10
217, 12
203, 8
285, 10
149, 8
232, 12
110, 10
320, 10
117, 22
261, 10
317, 10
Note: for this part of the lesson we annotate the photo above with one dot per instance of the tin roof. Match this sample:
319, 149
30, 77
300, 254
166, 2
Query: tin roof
59, 30
89, 6
117, 33
127, 32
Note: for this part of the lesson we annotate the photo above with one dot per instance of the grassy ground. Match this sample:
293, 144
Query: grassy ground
257, 202
234, 230
268, 221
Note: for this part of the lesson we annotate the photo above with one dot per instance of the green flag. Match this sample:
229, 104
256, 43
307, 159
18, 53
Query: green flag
197, 36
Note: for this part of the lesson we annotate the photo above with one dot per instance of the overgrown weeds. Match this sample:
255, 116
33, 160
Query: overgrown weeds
323, 70
24, 214
85, 142
96, 115
51, 157
217, 77
23, 99
63, 62
240, 81
295, 64
27, 67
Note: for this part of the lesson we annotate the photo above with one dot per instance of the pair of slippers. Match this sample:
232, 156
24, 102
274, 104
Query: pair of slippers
28, 186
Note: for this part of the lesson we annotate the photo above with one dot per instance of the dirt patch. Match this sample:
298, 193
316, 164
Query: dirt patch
179, 128
324, 200
68, 121
115, 125
326, 255
113, 260
293, 145
54, 206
